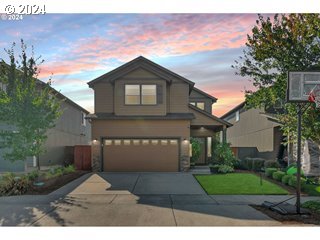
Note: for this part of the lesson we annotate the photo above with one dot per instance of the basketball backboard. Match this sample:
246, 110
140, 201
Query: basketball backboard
300, 84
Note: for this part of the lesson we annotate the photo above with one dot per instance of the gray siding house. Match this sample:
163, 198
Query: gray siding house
72, 128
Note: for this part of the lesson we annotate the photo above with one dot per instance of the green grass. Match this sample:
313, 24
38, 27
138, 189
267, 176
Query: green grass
238, 183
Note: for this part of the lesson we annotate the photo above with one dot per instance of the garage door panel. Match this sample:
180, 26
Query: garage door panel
156, 156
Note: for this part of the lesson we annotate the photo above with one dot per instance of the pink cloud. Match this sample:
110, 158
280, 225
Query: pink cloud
155, 35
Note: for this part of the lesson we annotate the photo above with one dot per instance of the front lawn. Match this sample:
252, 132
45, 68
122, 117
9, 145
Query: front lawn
238, 183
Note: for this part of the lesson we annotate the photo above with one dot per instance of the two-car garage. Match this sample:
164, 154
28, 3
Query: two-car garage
140, 155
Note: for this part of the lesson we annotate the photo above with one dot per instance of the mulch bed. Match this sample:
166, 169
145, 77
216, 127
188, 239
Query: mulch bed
312, 218
54, 183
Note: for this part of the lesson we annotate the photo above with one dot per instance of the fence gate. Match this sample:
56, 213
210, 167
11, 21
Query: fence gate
82, 157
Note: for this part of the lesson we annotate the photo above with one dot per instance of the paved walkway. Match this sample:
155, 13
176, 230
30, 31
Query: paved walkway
137, 200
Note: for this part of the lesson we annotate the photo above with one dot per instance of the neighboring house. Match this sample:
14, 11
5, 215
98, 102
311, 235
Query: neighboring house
72, 128
144, 117
255, 133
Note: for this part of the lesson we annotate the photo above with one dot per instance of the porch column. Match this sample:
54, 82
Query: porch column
224, 134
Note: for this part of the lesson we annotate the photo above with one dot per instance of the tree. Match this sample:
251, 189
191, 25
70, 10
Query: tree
287, 42
28, 107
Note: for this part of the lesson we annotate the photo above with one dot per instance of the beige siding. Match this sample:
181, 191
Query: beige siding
140, 128
202, 132
179, 97
202, 119
122, 109
103, 97
141, 73
252, 130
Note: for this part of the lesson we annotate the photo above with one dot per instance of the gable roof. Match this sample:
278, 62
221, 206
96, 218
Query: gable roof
210, 116
43, 84
205, 94
236, 108
140, 62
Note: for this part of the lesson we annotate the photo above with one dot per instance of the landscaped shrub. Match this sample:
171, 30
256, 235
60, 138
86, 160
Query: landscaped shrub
270, 171
278, 175
254, 164
69, 169
293, 182
271, 164
33, 175
196, 150
285, 179
14, 185
225, 169
313, 205
223, 155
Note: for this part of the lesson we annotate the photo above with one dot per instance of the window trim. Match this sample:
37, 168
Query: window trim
83, 119
140, 92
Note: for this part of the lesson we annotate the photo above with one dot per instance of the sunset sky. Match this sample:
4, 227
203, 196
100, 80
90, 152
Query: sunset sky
80, 47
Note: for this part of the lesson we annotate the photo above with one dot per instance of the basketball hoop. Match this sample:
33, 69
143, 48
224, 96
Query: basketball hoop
314, 96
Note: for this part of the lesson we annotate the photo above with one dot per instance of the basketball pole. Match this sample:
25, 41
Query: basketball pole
298, 190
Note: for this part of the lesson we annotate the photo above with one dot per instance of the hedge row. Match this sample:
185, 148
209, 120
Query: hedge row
280, 176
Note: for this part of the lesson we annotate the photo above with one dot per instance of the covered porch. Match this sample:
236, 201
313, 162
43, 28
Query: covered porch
207, 129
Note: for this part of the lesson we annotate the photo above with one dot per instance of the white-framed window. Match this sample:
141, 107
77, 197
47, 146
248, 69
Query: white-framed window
144, 94
237, 116
83, 119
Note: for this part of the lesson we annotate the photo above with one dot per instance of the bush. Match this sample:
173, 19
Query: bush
196, 150
313, 205
285, 179
278, 175
254, 164
14, 185
293, 182
271, 164
223, 155
270, 171
33, 175
69, 169
225, 169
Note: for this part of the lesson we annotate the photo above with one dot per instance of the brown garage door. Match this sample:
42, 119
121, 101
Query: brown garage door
141, 155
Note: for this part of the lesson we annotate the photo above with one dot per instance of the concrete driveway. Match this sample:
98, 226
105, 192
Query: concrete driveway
132, 199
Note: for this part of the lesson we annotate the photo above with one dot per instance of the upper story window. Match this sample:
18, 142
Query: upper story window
149, 94
198, 105
237, 116
83, 119
140, 94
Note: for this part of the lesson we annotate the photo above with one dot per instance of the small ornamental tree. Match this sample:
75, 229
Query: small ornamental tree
28, 107
287, 42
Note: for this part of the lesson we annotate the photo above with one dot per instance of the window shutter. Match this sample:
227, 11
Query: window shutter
159, 94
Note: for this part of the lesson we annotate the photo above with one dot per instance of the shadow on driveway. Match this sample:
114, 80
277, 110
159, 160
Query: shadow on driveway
131, 199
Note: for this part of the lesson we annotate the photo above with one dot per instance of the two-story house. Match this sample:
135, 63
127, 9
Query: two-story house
144, 117
72, 128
